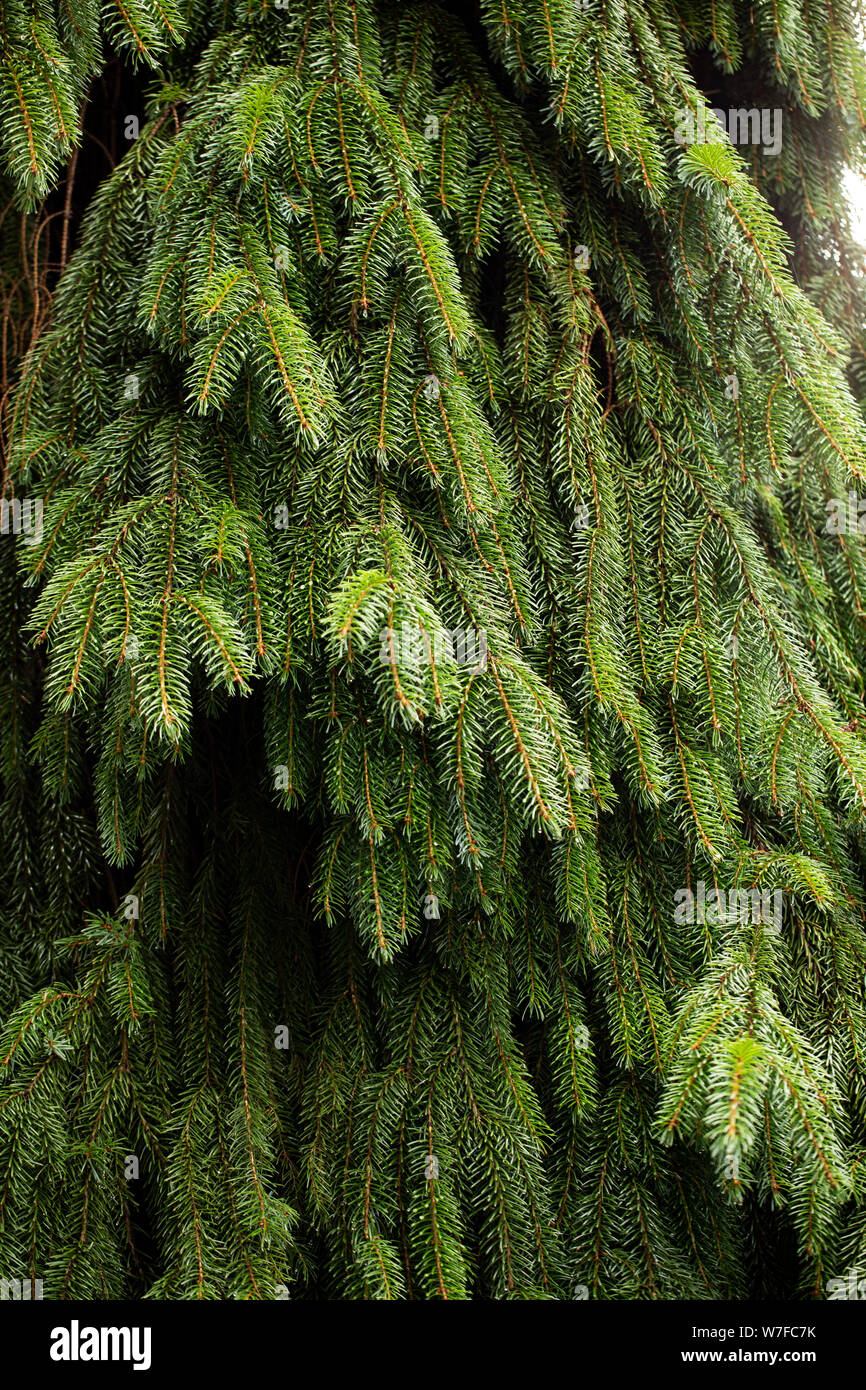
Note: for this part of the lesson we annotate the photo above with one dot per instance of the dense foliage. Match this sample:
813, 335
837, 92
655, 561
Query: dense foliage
425, 627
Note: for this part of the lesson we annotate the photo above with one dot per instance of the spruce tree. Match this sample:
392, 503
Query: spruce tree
434, 625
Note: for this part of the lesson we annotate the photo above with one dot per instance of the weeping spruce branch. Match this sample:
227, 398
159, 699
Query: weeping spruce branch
432, 591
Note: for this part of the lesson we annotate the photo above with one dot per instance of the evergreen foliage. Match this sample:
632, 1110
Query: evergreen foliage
434, 584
